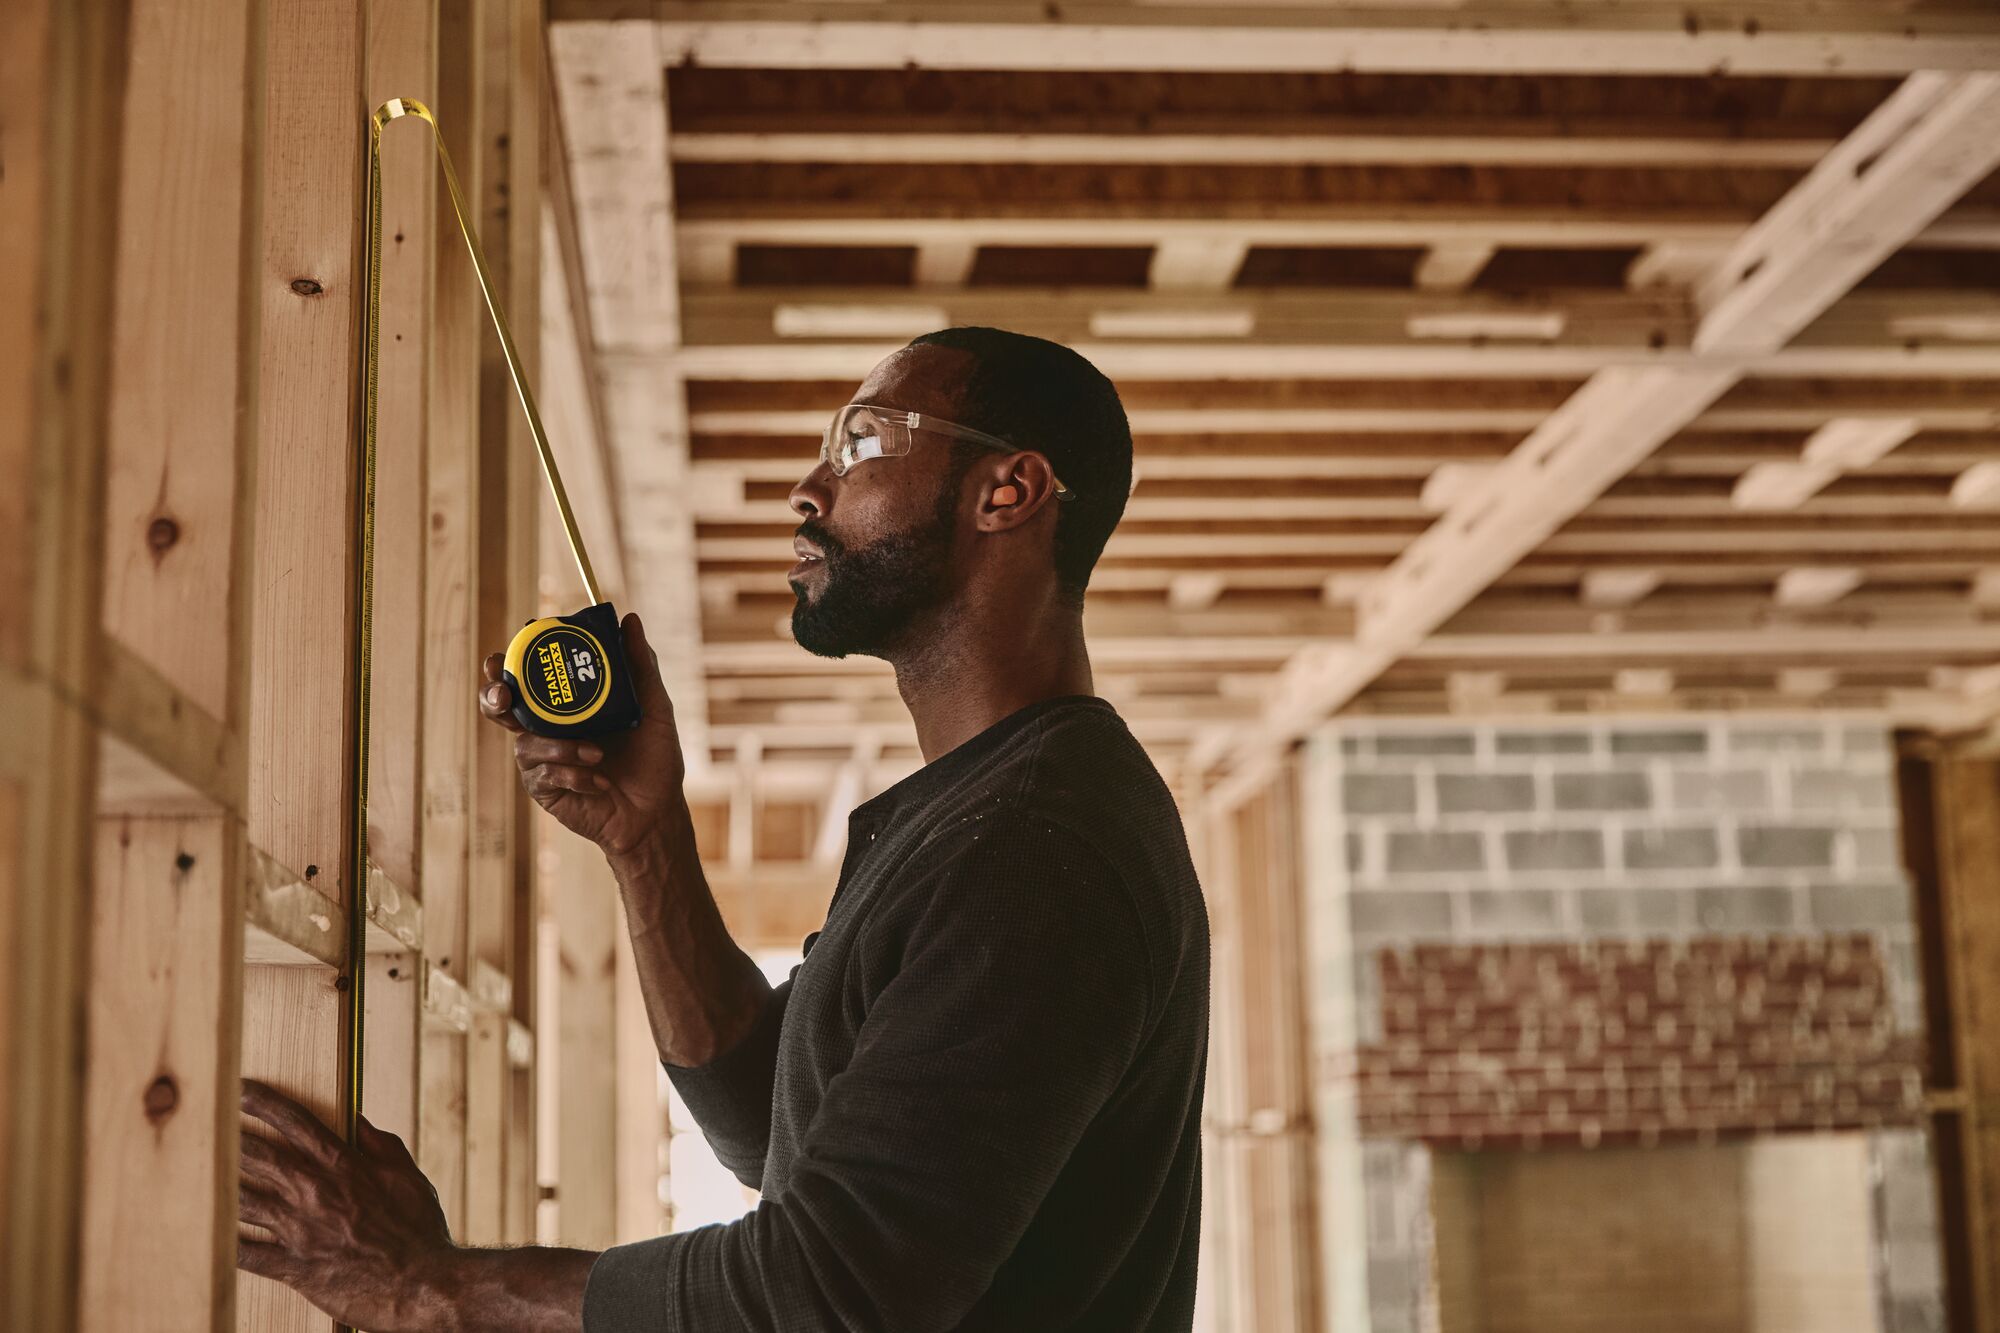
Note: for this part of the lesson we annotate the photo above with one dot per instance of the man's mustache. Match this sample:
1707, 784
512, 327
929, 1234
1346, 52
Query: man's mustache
820, 537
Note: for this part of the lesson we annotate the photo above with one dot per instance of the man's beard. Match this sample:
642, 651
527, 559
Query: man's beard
871, 594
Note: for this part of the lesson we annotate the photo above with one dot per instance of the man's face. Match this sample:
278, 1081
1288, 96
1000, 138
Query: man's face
883, 531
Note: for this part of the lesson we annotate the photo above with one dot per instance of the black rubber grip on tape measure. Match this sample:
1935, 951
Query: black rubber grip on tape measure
569, 676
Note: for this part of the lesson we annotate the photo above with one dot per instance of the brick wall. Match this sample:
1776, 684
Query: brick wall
1548, 874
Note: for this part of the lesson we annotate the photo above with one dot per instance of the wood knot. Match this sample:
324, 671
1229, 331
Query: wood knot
184, 863
162, 1098
161, 534
341, 983
306, 287
312, 872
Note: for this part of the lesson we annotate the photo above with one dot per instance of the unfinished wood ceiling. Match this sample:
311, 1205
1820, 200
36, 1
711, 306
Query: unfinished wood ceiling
1479, 358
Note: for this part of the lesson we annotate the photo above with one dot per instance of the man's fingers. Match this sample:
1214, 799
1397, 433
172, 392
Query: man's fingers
553, 779
262, 1257
260, 1207
496, 701
270, 1161
299, 1127
530, 749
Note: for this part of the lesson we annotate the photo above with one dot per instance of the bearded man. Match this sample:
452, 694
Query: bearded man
976, 1102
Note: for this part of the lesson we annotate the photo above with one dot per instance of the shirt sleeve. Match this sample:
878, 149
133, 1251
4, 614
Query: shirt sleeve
1021, 1000
730, 1096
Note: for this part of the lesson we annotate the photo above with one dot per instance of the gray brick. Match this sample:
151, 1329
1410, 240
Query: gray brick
1859, 906
1486, 793
1544, 742
1876, 848
1404, 744
1605, 911
1425, 853
1357, 852
1555, 849
1756, 909
1662, 911
1670, 848
1633, 912
1659, 742
1838, 789
1378, 793
1614, 790
1777, 740
1385, 915
1350, 745
1867, 743
1739, 789
1513, 912
1784, 847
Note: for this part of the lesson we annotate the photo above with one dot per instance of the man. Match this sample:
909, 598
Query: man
976, 1102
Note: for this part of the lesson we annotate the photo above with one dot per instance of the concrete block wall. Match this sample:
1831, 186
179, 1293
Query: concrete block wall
1575, 831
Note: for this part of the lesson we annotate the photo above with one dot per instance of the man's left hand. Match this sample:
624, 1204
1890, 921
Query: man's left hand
354, 1228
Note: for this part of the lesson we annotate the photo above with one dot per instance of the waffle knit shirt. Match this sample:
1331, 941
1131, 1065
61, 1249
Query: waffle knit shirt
976, 1103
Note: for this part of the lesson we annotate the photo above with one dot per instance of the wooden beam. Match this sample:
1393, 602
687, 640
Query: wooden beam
1452, 268
65, 68
298, 808
1816, 585
942, 263
1950, 806
1930, 142
164, 1005
1928, 138
1196, 264
1855, 355
401, 55
1542, 145
1259, 224
1840, 39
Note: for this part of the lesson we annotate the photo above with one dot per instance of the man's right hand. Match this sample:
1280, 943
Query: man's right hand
616, 791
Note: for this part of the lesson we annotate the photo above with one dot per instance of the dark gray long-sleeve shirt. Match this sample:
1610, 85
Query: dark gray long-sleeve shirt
977, 1102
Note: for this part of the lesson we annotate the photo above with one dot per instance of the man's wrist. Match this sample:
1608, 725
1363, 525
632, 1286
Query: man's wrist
440, 1281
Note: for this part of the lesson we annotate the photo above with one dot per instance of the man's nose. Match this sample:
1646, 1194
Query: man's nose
811, 496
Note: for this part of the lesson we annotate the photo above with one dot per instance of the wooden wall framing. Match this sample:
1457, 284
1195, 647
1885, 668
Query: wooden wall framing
1261, 1141
1951, 845
180, 301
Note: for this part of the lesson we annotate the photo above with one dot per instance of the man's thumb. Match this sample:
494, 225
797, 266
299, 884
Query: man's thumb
644, 664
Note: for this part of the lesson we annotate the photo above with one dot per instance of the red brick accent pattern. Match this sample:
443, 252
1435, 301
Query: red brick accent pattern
1579, 1044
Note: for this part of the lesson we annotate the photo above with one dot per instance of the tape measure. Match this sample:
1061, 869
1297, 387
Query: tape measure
567, 673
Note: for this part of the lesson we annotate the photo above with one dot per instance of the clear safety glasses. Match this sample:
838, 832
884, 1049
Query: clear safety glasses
860, 431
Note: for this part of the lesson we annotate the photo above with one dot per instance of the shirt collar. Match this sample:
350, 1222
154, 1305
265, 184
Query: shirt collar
955, 763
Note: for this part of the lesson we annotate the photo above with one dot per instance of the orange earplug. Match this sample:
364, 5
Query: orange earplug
1006, 495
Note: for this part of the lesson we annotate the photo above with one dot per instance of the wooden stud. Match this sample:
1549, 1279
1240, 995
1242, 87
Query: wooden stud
65, 69
401, 60
292, 1030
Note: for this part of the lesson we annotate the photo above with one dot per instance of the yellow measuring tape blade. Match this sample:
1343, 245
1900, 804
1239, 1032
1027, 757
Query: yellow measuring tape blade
357, 931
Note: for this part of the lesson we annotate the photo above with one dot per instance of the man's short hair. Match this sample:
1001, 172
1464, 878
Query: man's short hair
1043, 396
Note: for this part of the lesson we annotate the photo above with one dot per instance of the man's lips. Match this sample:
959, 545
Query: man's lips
810, 557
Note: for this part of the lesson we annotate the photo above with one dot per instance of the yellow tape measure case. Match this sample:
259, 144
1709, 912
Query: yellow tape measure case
569, 676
